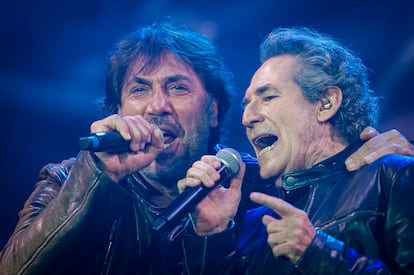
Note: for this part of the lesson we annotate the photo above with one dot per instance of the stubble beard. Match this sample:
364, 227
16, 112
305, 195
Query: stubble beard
167, 169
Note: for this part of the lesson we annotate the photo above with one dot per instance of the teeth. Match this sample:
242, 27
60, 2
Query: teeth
264, 150
166, 145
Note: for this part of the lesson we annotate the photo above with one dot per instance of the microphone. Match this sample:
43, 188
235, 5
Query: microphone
104, 142
111, 142
190, 197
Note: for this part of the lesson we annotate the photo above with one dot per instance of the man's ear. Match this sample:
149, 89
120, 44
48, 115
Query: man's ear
213, 113
329, 104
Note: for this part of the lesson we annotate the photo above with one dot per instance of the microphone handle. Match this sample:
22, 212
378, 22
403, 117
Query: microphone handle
111, 142
185, 202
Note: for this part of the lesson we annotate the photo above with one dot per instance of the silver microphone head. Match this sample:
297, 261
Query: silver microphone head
231, 159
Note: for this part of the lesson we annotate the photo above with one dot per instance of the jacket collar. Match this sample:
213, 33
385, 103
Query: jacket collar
322, 170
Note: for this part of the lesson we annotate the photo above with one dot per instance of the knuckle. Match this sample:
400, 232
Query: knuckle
395, 132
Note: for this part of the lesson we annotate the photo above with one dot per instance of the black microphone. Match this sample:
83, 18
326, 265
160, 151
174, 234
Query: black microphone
190, 197
104, 142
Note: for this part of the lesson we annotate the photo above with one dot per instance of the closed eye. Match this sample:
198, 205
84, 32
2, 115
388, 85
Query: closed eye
269, 98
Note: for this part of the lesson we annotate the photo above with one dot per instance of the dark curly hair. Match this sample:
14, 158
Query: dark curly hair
150, 43
324, 63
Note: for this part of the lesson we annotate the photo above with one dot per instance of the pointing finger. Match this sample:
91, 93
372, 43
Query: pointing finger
278, 205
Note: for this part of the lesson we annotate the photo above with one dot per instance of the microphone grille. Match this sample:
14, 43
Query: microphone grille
231, 159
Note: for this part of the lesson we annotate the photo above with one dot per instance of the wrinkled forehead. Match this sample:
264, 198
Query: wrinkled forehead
276, 74
278, 69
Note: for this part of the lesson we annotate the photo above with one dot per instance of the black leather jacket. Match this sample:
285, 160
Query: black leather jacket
364, 221
77, 221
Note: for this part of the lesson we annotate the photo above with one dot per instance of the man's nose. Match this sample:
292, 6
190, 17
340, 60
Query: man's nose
159, 104
251, 115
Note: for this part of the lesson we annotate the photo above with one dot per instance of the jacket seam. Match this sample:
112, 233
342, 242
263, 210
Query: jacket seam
53, 233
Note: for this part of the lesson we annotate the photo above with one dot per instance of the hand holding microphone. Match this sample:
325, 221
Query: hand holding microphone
111, 142
202, 179
123, 144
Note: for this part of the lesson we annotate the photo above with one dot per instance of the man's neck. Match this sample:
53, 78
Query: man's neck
324, 146
160, 194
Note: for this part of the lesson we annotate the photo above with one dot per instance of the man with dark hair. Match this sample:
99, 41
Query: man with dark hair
167, 92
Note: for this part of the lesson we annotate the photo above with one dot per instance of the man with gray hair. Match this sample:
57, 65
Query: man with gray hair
304, 111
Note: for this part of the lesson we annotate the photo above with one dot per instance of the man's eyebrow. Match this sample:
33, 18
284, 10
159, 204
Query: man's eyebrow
141, 80
177, 77
168, 79
261, 90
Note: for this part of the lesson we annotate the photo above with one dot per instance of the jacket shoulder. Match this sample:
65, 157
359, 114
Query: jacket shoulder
57, 171
395, 162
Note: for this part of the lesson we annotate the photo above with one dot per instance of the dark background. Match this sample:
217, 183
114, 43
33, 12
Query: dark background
53, 58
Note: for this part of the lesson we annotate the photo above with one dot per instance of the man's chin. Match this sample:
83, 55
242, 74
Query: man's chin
265, 173
165, 176
164, 166
164, 159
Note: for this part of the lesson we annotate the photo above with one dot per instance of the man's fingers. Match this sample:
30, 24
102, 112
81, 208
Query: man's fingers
378, 145
111, 123
187, 182
266, 220
203, 171
278, 205
368, 133
237, 181
390, 148
157, 138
